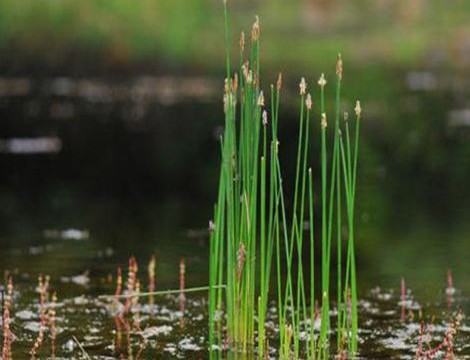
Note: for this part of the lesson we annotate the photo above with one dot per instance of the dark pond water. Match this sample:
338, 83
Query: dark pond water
95, 170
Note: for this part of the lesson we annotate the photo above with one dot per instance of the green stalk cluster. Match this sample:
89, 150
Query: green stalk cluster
251, 232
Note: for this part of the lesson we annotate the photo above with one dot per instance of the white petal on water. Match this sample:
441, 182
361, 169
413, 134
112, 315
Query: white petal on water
156, 331
33, 326
187, 344
25, 315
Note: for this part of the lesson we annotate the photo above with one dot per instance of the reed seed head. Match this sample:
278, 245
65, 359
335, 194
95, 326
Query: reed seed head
10, 286
245, 70
308, 102
211, 226
135, 299
118, 290
135, 267
225, 103
346, 116
265, 118
241, 257
226, 86
322, 81
255, 29
229, 100
54, 299
339, 67
46, 282
323, 121
255, 78
279, 82
289, 332
119, 277
182, 269
261, 99
249, 77
151, 272
152, 265
242, 42
358, 109
302, 86
235, 83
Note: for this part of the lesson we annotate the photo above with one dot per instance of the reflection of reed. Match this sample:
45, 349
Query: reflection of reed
136, 320
52, 320
450, 290
118, 343
121, 322
128, 353
127, 328
118, 290
24, 146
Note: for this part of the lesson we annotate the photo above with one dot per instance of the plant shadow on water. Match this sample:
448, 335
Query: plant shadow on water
61, 185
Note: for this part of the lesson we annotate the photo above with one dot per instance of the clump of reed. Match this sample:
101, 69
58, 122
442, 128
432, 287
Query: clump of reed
133, 287
253, 236
47, 318
128, 312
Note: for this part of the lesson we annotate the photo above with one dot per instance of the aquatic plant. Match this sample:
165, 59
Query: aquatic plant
51, 314
132, 282
7, 334
151, 273
446, 344
182, 274
43, 288
252, 227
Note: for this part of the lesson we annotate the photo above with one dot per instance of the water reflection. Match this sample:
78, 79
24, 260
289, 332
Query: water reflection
42, 145
136, 174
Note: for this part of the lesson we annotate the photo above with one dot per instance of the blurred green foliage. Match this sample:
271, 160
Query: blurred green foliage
300, 32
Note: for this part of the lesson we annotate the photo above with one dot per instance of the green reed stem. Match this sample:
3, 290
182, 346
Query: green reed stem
338, 206
325, 255
312, 264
